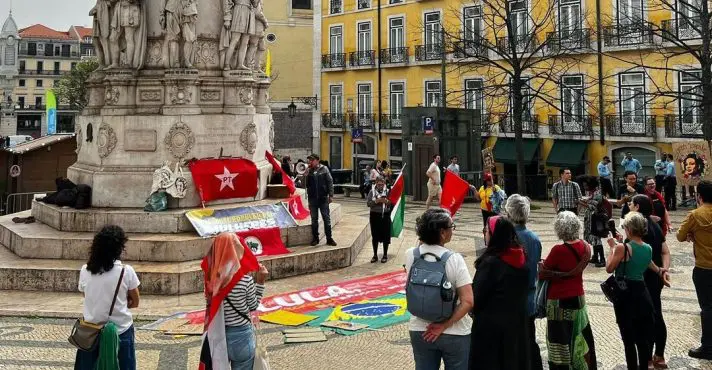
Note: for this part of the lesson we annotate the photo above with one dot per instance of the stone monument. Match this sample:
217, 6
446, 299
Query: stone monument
179, 79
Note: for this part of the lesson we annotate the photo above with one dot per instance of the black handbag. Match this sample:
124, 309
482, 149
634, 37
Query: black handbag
614, 288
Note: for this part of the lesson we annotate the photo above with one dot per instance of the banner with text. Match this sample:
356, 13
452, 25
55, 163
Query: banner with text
209, 222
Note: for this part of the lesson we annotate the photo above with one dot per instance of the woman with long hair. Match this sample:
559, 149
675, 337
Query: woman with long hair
661, 257
501, 285
634, 309
568, 331
98, 280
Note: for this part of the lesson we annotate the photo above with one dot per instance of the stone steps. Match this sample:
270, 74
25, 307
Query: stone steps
172, 278
42, 241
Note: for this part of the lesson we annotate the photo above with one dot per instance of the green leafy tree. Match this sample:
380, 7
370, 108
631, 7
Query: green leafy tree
71, 88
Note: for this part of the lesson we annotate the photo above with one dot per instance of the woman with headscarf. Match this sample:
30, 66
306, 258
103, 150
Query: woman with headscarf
568, 331
501, 285
231, 294
380, 218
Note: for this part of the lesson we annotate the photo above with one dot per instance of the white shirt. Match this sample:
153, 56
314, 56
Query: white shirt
99, 290
433, 174
454, 168
459, 276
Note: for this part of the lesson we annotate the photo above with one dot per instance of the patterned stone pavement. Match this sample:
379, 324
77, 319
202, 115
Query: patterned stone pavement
40, 343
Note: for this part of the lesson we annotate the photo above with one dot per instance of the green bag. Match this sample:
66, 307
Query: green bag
108, 348
157, 202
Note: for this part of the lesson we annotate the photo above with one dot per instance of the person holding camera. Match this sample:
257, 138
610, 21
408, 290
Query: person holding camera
380, 218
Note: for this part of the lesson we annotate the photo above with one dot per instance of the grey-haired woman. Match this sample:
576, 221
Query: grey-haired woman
380, 218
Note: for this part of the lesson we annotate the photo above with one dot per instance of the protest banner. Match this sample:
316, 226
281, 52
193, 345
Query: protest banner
209, 222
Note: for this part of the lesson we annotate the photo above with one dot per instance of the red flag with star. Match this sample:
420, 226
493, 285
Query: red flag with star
224, 178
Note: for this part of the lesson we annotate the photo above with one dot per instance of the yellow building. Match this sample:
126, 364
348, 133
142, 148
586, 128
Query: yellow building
400, 46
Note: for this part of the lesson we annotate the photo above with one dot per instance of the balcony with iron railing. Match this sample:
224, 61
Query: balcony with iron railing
392, 121
684, 126
337, 60
681, 29
362, 120
632, 125
25, 53
568, 40
394, 55
364, 4
336, 6
429, 52
32, 72
333, 120
619, 35
471, 48
567, 124
517, 43
530, 124
362, 58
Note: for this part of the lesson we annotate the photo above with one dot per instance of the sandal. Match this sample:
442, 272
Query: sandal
659, 362
374, 259
384, 259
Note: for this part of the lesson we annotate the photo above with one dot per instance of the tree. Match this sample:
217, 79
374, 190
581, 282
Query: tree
71, 88
522, 54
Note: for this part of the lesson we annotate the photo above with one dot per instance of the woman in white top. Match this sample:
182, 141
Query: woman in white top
98, 280
447, 341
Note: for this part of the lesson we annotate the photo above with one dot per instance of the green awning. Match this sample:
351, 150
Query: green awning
567, 153
504, 150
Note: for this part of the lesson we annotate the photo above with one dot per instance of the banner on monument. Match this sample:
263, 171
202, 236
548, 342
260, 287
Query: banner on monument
210, 222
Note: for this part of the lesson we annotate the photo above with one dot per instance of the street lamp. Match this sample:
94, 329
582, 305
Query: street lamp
308, 100
292, 109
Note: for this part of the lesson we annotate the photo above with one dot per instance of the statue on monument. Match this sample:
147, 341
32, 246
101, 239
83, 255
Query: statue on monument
101, 31
178, 21
128, 33
240, 21
257, 46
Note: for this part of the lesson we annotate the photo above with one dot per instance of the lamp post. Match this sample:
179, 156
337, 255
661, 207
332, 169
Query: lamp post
292, 109
311, 101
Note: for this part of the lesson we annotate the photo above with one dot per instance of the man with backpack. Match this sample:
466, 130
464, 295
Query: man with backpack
439, 295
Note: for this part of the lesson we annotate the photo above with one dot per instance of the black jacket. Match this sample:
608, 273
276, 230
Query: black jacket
319, 184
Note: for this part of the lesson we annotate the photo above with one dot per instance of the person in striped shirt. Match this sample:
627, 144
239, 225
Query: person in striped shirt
240, 302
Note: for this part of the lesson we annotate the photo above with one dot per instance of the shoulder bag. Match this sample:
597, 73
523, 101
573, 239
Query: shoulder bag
542, 286
85, 334
615, 287
261, 358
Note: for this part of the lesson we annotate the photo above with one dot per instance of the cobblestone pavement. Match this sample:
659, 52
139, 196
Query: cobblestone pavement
31, 343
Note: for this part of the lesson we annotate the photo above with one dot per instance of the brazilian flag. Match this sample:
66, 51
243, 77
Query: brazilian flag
376, 313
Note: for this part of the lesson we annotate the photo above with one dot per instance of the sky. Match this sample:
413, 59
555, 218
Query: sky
57, 14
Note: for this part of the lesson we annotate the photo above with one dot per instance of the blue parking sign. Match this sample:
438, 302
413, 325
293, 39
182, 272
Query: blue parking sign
428, 124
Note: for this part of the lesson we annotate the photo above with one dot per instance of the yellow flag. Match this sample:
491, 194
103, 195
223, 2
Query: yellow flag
268, 64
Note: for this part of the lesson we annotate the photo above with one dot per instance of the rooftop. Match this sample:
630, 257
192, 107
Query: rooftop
38, 143
39, 31
81, 32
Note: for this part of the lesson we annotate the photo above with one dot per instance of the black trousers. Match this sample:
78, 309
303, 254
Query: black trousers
535, 352
670, 196
659, 183
598, 255
655, 288
634, 315
702, 278
607, 187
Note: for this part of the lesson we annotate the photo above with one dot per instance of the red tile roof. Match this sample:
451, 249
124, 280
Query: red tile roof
40, 31
81, 32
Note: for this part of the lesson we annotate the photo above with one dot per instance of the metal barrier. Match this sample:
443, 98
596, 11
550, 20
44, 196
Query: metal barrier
19, 202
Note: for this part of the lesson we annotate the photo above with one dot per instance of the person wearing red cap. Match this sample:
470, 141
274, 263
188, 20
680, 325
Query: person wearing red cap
484, 194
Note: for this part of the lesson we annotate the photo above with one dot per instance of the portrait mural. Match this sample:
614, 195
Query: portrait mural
691, 162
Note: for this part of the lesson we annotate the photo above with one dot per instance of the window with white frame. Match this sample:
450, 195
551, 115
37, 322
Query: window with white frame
630, 21
473, 94
336, 6
688, 18
569, 19
336, 40
335, 152
364, 38
336, 99
572, 102
519, 15
690, 92
396, 99
433, 33
432, 93
396, 32
395, 153
365, 109
363, 4
631, 93
472, 23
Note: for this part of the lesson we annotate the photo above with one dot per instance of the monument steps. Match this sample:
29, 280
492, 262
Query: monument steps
35, 257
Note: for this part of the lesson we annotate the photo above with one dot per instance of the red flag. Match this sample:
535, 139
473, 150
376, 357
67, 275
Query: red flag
397, 189
286, 180
297, 209
454, 191
264, 242
224, 178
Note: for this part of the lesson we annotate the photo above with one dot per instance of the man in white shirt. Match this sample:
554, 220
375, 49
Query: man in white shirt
454, 167
433, 174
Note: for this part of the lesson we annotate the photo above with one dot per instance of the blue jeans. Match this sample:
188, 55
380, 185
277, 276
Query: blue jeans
127, 354
241, 346
325, 214
454, 350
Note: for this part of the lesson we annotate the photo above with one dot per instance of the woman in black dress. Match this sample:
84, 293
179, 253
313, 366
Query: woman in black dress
501, 284
380, 218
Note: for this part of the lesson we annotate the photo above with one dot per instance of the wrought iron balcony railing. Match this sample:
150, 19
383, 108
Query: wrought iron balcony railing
392, 121
363, 120
394, 55
429, 52
364, 4
336, 6
518, 44
636, 33
683, 126
337, 60
471, 48
362, 58
566, 124
681, 29
632, 124
568, 40
333, 120
530, 124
